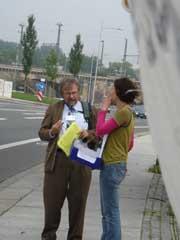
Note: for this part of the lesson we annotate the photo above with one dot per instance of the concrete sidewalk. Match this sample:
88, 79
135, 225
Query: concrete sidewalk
21, 204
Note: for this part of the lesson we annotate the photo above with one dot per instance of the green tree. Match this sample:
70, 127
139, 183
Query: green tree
51, 67
119, 68
88, 64
29, 43
42, 52
75, 56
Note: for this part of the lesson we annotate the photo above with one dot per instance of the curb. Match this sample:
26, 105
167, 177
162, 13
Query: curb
23, 101
158, 222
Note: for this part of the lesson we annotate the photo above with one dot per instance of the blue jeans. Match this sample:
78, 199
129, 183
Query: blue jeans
110, 178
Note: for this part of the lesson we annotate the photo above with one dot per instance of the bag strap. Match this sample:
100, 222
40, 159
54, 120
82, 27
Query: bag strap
87, 113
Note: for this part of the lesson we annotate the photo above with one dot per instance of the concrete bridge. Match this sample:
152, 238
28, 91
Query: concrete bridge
37, 73
15, 73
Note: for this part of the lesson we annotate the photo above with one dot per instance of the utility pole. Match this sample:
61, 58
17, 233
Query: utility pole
123, 72
58, 40
102, 54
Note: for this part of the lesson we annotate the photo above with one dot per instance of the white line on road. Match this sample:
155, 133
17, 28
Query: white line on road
33, 113
142, 127
19, 143
2, 119
33, 118
16, 110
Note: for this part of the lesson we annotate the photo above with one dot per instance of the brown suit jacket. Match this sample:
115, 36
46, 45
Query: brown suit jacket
53, 114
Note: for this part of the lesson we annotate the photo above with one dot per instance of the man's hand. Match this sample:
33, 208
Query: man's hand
56, 127
88, 135
83, 134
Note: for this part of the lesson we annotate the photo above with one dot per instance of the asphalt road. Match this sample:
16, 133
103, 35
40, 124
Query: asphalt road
19, 122
20, 147
141, 126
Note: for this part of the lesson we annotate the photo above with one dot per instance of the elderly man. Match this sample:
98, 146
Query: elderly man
65, 178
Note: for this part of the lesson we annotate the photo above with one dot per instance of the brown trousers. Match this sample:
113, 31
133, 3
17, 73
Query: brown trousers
71, 180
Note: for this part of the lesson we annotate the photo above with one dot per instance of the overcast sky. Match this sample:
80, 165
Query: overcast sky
78, 16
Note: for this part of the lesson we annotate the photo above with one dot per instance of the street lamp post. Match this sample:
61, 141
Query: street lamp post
102, 54
21, 38
97, 60
18, 54
90, 80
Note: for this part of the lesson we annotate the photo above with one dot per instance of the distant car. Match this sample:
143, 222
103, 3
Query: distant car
142, 115
20, 88
138, 111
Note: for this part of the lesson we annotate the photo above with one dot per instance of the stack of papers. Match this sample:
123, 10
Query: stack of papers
86, 153
65, 141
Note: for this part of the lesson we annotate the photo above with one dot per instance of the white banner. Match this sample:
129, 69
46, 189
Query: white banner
5, 88
157, 28
8, 89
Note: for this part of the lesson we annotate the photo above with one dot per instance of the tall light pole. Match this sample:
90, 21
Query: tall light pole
97, 60
58, 40
97, 63
21, 37
102, 54
18, 54
90, 80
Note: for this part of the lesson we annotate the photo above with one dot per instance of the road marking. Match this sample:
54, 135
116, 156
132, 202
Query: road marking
33, 118
42, 143
31, 113
16, 110
19, 143
142, 127
2, 119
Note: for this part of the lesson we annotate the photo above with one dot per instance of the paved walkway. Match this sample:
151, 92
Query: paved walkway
21, 209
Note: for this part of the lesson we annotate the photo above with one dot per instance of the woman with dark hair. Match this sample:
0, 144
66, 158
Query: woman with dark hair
120, 128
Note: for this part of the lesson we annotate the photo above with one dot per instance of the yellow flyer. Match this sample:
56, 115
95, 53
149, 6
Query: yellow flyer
65, 141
